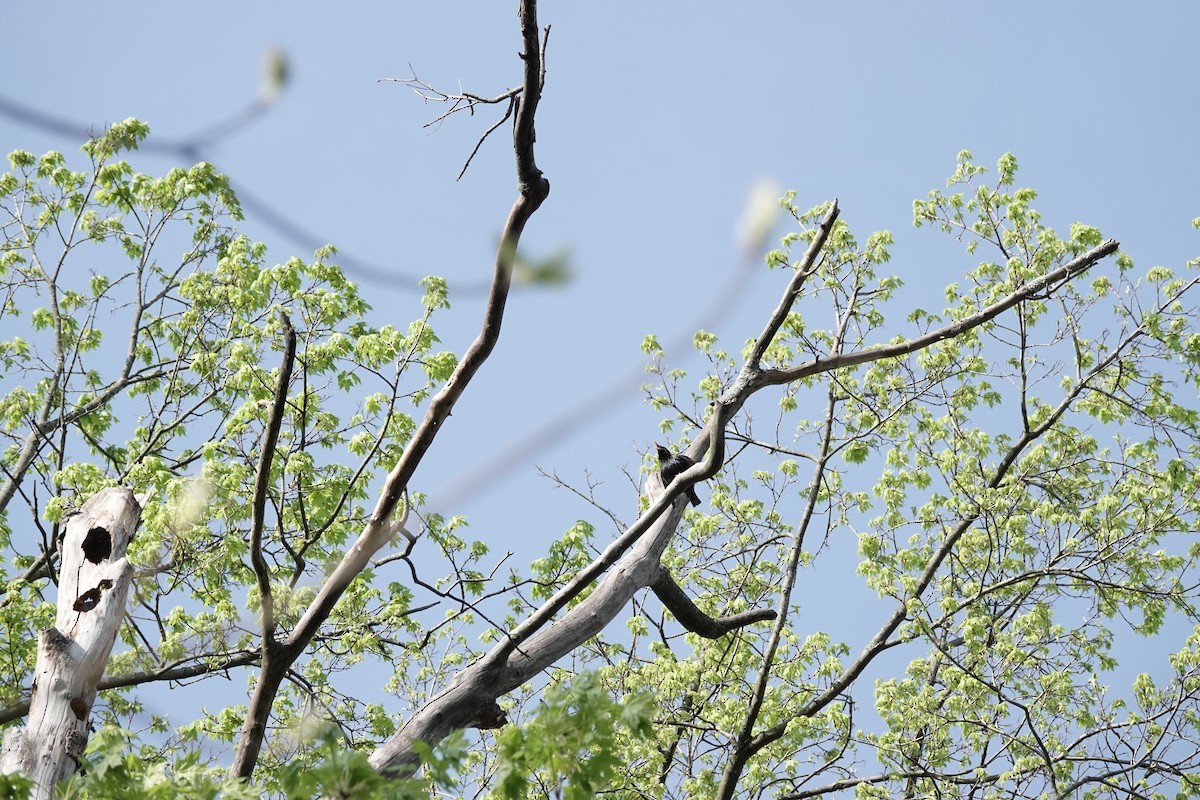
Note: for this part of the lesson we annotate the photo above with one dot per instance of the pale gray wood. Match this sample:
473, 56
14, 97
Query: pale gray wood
94, 578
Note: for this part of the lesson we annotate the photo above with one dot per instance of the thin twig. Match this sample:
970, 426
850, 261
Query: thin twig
508, 113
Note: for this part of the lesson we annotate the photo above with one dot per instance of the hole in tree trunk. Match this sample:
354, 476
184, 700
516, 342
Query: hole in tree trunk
97, 545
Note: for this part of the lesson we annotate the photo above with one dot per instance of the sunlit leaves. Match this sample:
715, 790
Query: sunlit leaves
436, 295
1023, 493
149, 349
20, 159
571, 744
121, 136
566, 556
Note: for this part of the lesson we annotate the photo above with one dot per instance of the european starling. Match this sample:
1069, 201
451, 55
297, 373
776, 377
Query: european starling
672, 465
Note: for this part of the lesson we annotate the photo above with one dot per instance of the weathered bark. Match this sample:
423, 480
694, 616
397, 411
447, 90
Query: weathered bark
469, 701
94, 582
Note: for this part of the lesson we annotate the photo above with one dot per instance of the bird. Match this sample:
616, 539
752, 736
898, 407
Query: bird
670, 465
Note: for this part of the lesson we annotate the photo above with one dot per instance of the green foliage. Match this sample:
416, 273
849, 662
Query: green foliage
115, 768
342, 772
1011, 505
567, 556
15, 787
140, 343
571, 745
1023, 494
552, 270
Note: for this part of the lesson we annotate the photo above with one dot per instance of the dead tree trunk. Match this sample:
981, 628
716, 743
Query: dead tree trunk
94, 579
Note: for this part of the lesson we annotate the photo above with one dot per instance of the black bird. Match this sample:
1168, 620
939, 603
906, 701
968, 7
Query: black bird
671, 465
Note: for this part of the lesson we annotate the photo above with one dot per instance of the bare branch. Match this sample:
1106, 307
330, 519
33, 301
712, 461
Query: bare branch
508, 113
695, 620
262, 479
1034, 288
193, 666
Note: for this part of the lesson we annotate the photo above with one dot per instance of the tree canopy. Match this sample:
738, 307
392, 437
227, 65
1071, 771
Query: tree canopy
1008, 485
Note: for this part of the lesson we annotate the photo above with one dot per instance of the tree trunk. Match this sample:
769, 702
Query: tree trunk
94, 580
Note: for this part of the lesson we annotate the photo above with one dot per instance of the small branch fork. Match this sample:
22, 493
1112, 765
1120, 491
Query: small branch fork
463, 101
466, 101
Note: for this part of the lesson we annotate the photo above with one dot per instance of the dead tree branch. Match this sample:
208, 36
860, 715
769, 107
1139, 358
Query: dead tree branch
691, 617
466, 101
72, 654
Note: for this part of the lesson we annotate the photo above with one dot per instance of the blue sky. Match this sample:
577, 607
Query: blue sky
656, 120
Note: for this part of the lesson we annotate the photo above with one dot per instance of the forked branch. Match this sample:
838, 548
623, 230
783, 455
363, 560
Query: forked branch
467, 101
